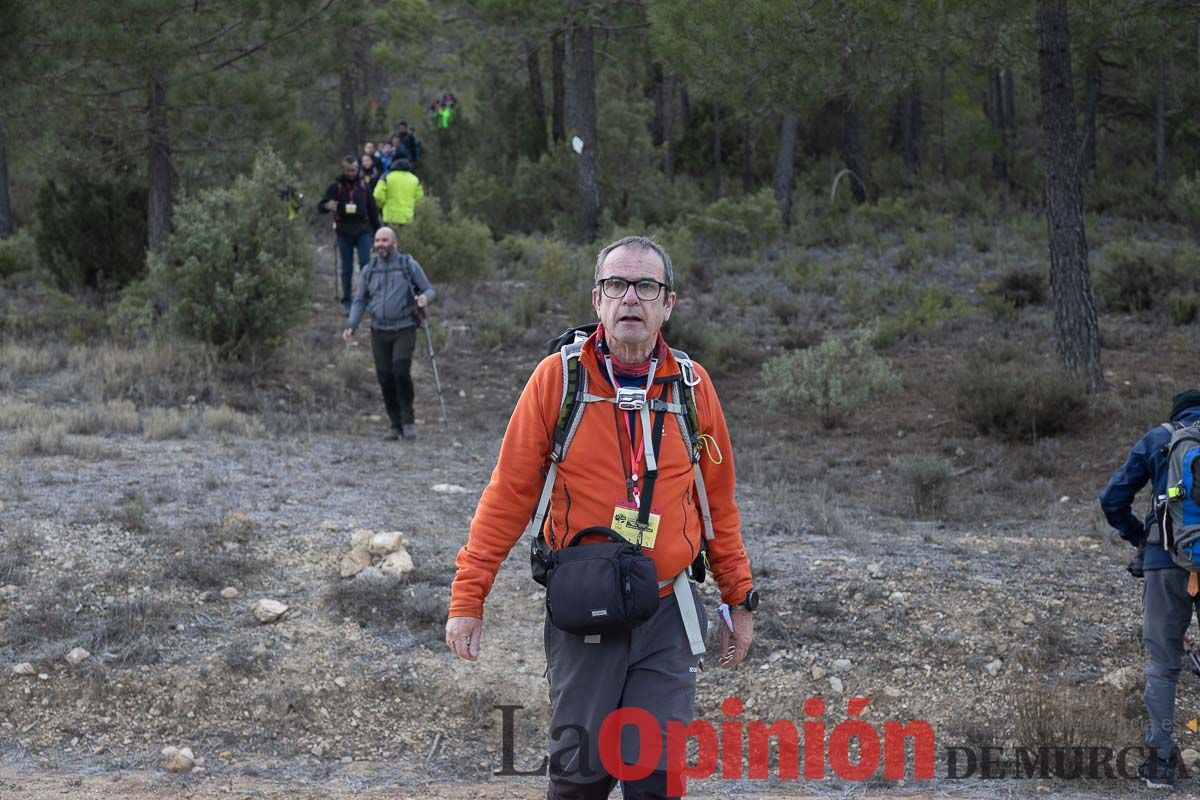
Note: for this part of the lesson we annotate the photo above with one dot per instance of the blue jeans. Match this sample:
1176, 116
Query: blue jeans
346, 246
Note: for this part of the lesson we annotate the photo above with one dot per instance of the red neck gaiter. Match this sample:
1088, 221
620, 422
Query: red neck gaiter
631, 370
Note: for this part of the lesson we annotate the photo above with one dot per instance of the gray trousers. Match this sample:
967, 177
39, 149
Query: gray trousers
650, 667
1166, 616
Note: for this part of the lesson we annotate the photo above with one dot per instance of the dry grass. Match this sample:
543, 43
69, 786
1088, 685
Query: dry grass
16, 555
168, 423
118, 416
223, 419
163, 375
115, 416
54, 441
419, 599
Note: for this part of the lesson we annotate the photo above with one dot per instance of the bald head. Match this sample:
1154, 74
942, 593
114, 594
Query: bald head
385, 242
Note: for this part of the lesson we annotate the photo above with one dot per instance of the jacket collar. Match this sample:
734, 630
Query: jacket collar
593, 360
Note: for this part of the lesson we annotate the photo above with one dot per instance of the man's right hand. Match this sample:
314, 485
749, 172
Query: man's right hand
331, 205
347, 334
463, 635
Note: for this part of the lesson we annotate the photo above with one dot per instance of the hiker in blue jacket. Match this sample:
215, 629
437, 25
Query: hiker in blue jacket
1167, 606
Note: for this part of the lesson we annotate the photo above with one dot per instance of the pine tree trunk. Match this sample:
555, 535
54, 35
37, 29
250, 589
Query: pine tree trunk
999, 126
158, 168
657, 93
6, 219
747, 159
1160, 128
910, 131
582, 108
716, 152
537, 96
785, 168
852, 149
350, 120
1010, 104
1092, 102
942, 91
1075, 325
558, 89
668, 123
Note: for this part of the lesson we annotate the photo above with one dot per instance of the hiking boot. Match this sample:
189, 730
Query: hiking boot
1157, 773
409, 432
393, 434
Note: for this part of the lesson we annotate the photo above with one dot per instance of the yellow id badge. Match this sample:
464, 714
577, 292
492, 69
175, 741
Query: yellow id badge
625, 522
351, 208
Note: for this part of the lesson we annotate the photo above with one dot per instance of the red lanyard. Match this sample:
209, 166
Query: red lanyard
635, 456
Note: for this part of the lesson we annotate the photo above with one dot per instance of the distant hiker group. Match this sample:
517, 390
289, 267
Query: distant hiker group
375, 195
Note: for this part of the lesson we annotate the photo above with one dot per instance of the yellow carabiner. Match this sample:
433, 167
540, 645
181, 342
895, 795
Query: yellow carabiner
709, 448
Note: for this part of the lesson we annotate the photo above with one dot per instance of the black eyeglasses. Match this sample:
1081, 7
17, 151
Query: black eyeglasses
645, 288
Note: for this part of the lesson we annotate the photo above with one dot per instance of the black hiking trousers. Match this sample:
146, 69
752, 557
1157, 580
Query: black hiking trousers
393, 351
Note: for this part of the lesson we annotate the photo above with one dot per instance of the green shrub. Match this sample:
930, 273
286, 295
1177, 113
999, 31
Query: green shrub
732, 225
1018, 401
918, 311
449, 246
911, 255
1184, 202
715, 344
1183, 307
832, 379
17, 254
927, 479
1133, 275
553, 267
237, 271
91, 232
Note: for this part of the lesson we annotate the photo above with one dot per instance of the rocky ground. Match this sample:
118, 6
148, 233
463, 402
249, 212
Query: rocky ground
1003, 618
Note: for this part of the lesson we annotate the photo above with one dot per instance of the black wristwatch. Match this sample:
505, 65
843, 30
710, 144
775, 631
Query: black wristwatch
751, 601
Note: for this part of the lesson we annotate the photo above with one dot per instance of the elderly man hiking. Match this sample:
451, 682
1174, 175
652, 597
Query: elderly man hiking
628, 521
393, 287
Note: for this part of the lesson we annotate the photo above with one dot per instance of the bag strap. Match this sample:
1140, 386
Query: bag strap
598, 529
651, 463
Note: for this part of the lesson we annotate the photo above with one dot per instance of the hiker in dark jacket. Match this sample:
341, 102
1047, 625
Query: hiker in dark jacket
409, 141
356, 218
1167, 607
393, 288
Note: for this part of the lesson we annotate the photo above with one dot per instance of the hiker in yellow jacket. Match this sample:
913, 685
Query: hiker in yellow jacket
398, 193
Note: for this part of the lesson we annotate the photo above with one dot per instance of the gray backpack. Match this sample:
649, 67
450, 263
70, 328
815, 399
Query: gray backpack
1178, 511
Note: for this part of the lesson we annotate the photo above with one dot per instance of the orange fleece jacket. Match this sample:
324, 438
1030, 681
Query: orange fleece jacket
591, 481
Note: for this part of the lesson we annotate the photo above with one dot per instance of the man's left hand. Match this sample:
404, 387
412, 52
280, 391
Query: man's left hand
422, 300
740, 638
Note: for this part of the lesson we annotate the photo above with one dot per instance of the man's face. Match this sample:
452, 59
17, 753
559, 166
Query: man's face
387, 147
349, 171
396, 142
385, 242
402, 128
629, 320
369, 148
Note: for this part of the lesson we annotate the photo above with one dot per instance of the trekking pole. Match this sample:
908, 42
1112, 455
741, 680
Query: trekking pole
336, 282
423, 322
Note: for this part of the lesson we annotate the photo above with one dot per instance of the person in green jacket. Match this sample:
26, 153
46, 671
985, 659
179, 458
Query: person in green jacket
398, 193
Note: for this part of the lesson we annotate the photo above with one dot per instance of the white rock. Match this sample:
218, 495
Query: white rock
269, 610
77, 656
896, 597
874, 570
835, 684
330, 525
774, 656
993, 666
354, 562
891, 691
818, 672
1123, 679
230, 593
1191, 758
340, 682
448, 488
385, 542
841, 664
178, 759
361, 537
398, 563
24, 668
